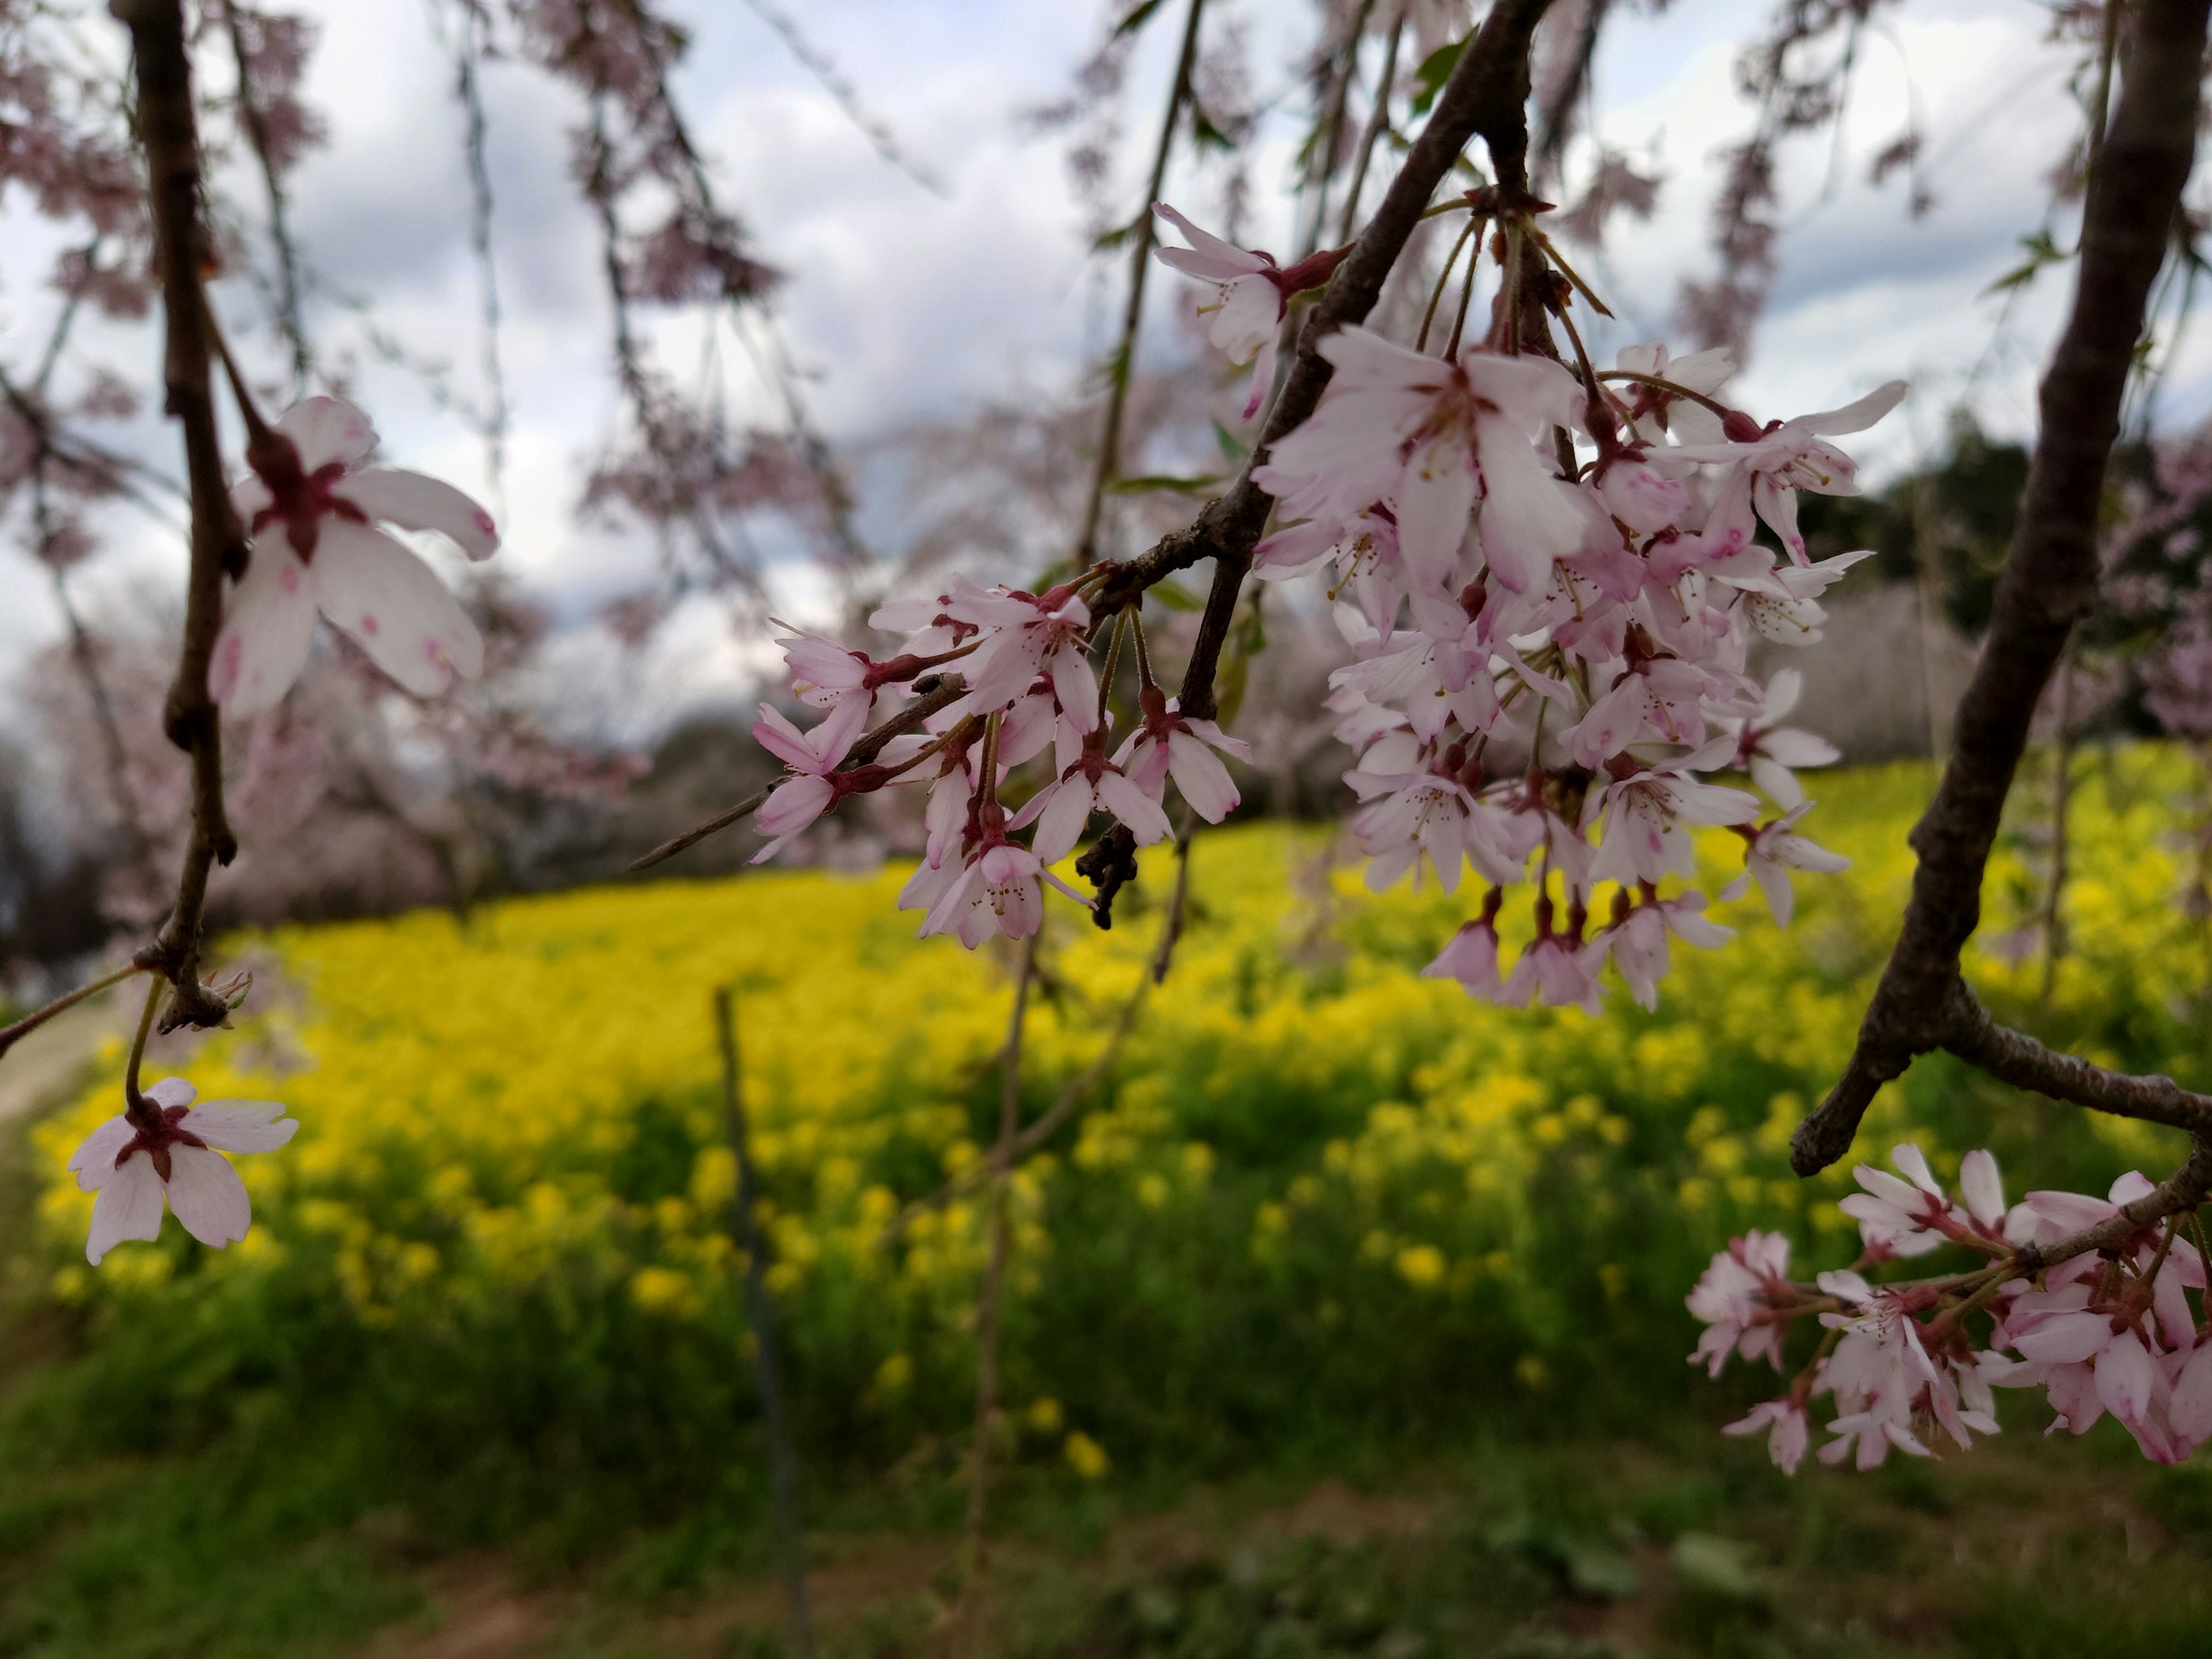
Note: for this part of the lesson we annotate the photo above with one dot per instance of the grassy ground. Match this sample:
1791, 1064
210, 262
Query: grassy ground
1581, 1550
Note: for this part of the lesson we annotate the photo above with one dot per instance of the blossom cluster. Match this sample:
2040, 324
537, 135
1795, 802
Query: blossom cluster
1029, 691
1549, 587
2111, 1329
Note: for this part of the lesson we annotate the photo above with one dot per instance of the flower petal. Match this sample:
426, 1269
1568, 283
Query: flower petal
327, 429
129, 1206
395, 607
207, 1196
413, 501
93, 1163
266, 627
241, 1125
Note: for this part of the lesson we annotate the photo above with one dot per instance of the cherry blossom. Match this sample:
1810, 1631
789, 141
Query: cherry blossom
1773, 752
309, 482
1168, 744
136, 1170
1767, 467
1253, 296
1442, 434
1774, 851
1734, 1297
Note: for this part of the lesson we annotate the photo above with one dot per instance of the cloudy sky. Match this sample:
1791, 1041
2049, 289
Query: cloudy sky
903, 303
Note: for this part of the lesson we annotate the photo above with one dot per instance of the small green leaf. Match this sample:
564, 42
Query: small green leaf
1203, 132
1108, 240
1435, 69
1232, 446
1174, 595
1153, 481
1137, 16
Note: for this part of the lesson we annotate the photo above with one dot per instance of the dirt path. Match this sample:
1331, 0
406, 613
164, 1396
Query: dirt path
43, 1067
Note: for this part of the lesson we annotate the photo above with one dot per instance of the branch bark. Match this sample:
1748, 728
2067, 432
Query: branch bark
169, 134
2050, 576
1486, 95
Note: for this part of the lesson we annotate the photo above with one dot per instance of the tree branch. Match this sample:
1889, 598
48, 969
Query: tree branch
168, 131
2015, 1057
2050, 576
1487, 94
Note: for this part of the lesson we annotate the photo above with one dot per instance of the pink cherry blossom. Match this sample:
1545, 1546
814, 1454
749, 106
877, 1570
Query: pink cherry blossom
1788, 1431
1253, 296
1905, 1217
1767, 468
1444, 433
796, 802
330, 557
136, 1170
1771, 752
1774, 851
1736, 1296
1168, 744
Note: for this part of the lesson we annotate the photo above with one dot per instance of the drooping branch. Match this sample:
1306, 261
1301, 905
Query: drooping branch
468, 89
2049, 575
168, 132
1486, 95
1122, 364
262, 139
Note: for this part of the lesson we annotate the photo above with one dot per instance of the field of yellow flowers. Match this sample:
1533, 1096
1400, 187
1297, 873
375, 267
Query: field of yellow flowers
1319, 1201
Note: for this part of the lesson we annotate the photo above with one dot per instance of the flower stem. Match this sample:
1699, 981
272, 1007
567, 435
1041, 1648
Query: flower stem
136, 1107
1443, 276
1717, 407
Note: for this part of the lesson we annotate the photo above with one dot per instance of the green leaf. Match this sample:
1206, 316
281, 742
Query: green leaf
1137, 16
1108, 240
1174, 595
2041, 252
1153, 481
1435, 69
1234, 447
1204, 133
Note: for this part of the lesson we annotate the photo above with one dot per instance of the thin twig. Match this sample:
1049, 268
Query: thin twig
1122, 364
1378, 121
31, 1022
948, 691
760, 1314
995, 1267
288, 320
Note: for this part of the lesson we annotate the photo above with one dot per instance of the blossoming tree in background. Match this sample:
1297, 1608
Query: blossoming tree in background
1548, 572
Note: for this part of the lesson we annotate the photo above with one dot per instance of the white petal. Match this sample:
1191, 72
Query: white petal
327, 429
172, 1091
129, 1206
1434, 504
1145, 818
207, 1196
414, 501
1983, 1189
1063, 821
267, 623
1201, 777
394, 605
241, 1125
93, 1163
1854, 417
